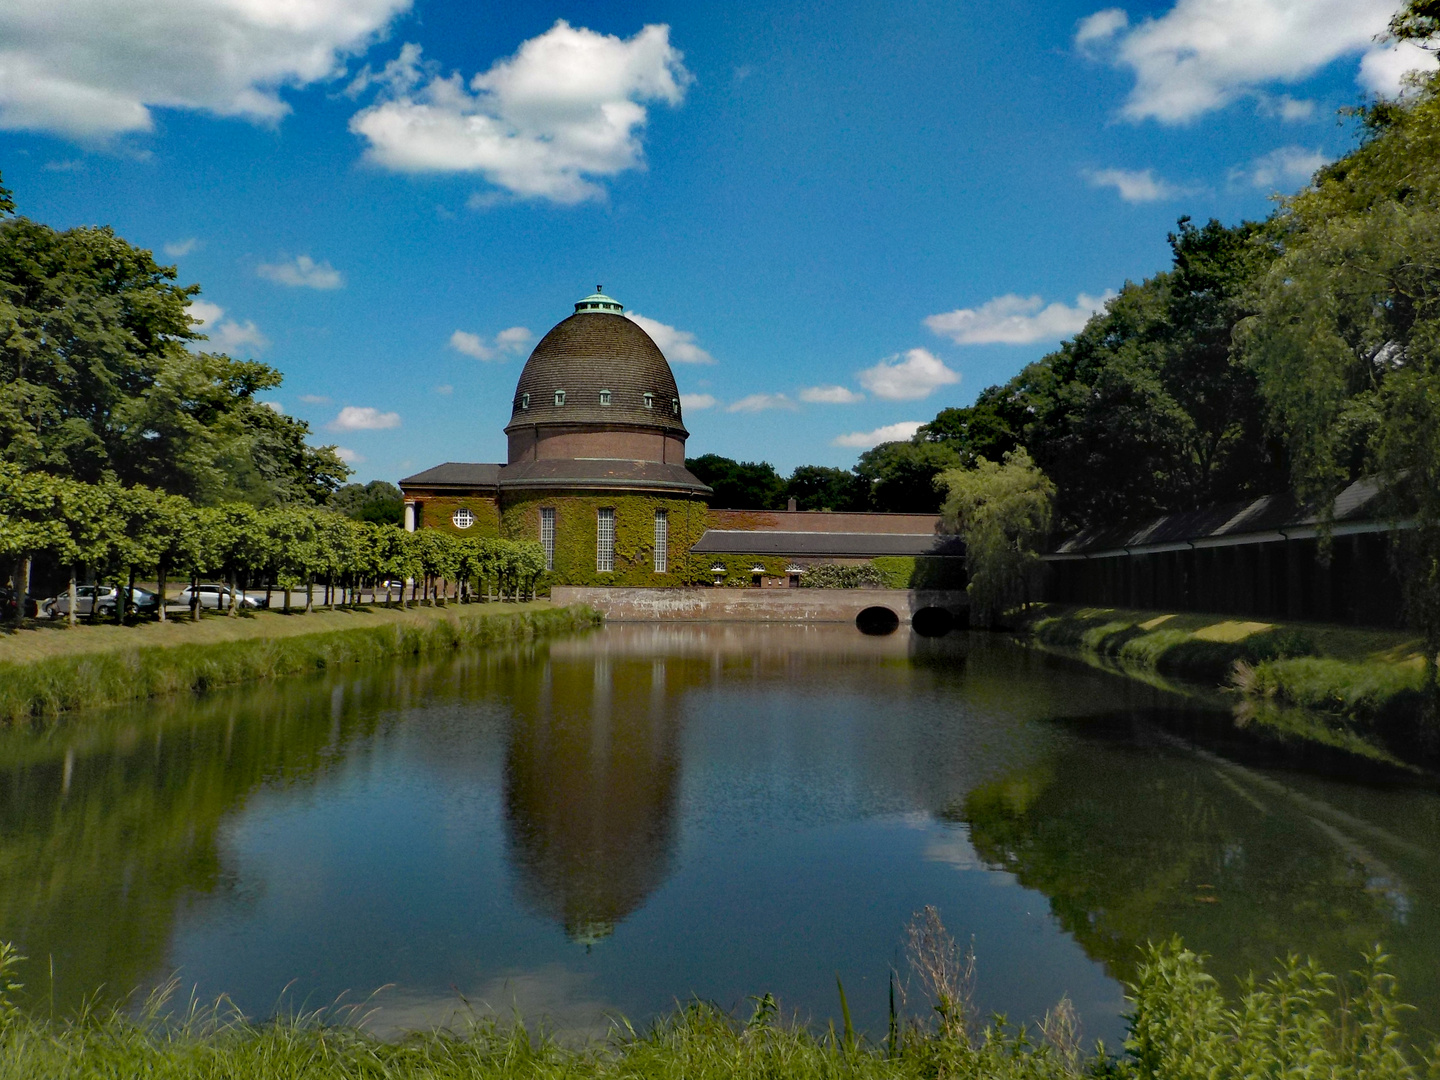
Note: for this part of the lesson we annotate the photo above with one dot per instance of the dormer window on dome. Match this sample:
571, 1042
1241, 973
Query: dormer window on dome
649, 401
559, 397
524, 401
604, 397
598, 301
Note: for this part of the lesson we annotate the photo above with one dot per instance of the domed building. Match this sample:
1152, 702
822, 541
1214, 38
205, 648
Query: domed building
596, 461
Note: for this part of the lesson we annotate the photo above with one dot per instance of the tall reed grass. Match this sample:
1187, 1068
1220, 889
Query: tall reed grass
46, 688
1301, 1023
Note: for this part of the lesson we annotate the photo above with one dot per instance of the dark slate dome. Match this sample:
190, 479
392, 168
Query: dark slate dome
604, 365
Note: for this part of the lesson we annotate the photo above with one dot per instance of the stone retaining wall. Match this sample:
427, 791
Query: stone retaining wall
753, 605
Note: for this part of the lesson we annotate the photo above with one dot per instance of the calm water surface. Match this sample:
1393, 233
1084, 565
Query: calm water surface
611, 823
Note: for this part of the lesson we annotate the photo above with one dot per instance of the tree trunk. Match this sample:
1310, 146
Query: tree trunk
128, 599
330, 592
194, 597
269, 588
287, 600
22, 587
74, 597
309, 595
160, 587
230, 583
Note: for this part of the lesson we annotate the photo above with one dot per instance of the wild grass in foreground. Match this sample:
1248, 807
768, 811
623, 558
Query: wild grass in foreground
1301, 1023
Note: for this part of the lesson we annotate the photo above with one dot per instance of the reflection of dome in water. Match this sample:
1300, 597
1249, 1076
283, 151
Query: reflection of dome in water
591, 780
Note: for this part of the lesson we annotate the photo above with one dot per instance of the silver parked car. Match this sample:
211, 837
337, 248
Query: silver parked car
86, 597
218, 596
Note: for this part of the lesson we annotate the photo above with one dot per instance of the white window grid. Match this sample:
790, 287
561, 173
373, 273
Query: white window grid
662, 541
605, 540
547, 535
463, 518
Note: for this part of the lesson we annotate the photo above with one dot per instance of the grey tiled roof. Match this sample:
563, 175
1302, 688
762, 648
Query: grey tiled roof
1266, 517
456, 474
590, 352
835, 545
559, 473
600, 472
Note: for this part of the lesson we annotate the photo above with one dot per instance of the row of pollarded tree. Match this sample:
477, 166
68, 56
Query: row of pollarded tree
118, 533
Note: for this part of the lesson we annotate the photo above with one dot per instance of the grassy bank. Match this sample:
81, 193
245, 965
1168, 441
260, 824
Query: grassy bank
1367, 676
47, 670
1300, 1022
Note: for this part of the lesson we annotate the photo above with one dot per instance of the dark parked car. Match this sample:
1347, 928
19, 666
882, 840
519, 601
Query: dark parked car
7, 605
142, 601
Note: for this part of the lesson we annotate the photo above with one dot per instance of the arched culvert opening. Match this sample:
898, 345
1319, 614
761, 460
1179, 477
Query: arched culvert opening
932, 622
877, 620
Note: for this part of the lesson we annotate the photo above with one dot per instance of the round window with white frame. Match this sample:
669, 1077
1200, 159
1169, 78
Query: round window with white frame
463, 518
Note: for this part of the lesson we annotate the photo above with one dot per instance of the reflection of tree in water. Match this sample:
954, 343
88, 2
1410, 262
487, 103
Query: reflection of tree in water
110, 822
591, 780
1136, 843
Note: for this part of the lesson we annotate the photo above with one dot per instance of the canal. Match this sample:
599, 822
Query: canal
620, 821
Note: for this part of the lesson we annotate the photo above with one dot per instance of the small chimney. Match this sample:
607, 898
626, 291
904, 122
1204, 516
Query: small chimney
790, 506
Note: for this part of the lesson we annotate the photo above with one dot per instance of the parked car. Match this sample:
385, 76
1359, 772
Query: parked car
218, 596
141, 600
86, 597
7, 605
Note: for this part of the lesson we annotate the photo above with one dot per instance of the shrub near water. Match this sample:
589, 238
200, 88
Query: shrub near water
1302, 1023
49, 687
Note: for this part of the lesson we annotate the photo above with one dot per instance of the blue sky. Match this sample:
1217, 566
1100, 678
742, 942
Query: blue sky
838, 219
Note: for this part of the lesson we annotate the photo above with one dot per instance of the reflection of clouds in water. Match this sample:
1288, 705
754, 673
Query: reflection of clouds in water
953, 846
551, 998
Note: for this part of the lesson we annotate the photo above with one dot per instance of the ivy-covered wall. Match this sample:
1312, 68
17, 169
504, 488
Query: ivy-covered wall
438, 512
575, 524
922, 572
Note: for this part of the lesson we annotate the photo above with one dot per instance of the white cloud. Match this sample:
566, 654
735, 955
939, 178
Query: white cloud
1133, 186
566, 109
513, 340
225, 335
462, 341
1202, 55
1099, 28
444, 389
1287, 167
697, 401
1292, 110
302, 272
677, 345
364, 418
760, 403
232, 337
315, 399
92, 69
1016, 320
918, 374
830, 395
1383, 71
350, 457
180, 248
203, 312
864, 440
273, 406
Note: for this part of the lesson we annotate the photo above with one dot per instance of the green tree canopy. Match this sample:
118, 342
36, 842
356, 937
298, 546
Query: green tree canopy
1003, 511
98, 380
379, 501
739, 485
819, 487
901, 476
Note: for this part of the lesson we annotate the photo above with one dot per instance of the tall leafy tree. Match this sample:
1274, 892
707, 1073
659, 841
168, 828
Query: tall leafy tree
739, 485
900, 476
819, 487
1346, 339
100, 378
1003, 511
